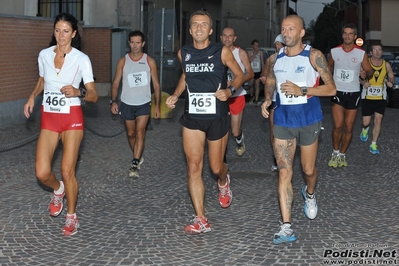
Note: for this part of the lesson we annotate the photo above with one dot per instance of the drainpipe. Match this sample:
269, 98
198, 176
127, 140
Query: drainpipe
162, 48
117, 14
359, 19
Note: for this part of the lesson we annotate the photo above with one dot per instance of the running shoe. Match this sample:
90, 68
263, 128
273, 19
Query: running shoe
71, 225
134, 171
342, 161
140, 162
251, 101
310, 207
56, 204
274, 168
334, 160
374, 149
240, 148
198, 225
364, 135
225, 194
286, 235
134, 168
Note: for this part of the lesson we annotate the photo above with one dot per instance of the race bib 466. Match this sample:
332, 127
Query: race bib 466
56, 102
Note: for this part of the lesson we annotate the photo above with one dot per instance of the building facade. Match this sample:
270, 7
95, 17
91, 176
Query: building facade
26, 28
104, 27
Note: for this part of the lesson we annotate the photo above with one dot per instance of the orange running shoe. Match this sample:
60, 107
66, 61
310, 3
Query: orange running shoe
71, 225
198, 225
225, 194
56, 204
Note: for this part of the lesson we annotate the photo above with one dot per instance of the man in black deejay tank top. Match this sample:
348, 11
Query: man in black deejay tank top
206, 114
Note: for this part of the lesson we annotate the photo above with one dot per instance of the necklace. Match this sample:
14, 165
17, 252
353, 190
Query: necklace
60, 58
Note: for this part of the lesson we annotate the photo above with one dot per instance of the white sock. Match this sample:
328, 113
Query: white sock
60, 190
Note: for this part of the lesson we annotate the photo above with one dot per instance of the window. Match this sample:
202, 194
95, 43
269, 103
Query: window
51, 8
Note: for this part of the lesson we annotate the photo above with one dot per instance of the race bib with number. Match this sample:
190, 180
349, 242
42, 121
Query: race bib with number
56, 102
344, 75
202, 103
374, 92
255, 66
291, 99
137, 79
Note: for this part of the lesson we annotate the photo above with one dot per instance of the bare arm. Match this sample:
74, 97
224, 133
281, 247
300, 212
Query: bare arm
91, 92
115, 84
331, 63
117, 78
270, 84
251, 55
155, 80
28, 107
262, 61
245, 61
319, 62
362, 79
366, 66
391, 75
38, 88
156, 84
229, 61
181, 86
265, 71
264, 74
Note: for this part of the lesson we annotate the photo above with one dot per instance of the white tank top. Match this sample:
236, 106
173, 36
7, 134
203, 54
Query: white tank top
236, 52
347, 68
299, 70
256, 62
136, 81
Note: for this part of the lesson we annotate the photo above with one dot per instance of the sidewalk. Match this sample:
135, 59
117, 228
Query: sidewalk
141, 221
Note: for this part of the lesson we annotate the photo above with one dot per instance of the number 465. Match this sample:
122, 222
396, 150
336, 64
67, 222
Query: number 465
201, 103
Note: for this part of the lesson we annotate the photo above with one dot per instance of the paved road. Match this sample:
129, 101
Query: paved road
141, 221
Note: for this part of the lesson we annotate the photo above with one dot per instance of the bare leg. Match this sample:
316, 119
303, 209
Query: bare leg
338, 118
216, 150
350, 116
71, 140
257, 82
308, 161
136, 134
271, 121
284, 150
193, 144
377, 126
46, 146
236, 124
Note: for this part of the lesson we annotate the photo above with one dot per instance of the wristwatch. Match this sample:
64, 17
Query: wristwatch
111, 102
304, 91
83, 92
232, 89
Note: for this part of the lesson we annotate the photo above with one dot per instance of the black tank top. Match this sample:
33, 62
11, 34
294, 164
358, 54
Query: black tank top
205, 72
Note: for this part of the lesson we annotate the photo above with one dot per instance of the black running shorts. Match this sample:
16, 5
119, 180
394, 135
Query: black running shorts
214, 128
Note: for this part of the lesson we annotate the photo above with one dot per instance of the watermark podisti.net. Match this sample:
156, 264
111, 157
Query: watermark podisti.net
360, 254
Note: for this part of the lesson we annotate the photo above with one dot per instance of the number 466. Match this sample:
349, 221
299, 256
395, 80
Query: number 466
55, 102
